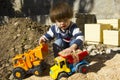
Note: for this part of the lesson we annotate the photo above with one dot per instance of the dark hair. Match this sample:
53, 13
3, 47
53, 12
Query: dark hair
61, 11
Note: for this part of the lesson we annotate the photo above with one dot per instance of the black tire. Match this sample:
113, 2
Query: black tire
19, 73
37, 71
43, 65
63, 74
82, 69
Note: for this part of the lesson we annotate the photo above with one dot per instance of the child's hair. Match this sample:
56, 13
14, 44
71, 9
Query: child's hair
61, 11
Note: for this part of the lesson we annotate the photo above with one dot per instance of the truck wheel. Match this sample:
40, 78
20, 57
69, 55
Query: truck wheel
37, 71
82, 69
63, 74
43, 65
19, 73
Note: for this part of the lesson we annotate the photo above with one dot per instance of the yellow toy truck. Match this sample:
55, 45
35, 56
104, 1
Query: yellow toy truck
64, 66
30, 62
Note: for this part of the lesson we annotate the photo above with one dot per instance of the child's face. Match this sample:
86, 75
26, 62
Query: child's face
63, 24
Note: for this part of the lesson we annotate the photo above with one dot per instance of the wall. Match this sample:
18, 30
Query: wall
38, 10
106, 8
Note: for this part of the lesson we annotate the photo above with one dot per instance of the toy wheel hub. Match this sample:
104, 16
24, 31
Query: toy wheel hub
18, 74
84, 69
36, 72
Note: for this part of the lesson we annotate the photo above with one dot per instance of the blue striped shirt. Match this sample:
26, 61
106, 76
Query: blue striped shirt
72, 32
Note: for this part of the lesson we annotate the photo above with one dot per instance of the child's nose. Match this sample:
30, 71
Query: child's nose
62, 23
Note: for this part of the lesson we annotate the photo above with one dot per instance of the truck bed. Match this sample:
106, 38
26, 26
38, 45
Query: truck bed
70, 58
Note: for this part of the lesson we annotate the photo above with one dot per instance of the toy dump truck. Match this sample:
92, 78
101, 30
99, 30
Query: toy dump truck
31, 62
65, 66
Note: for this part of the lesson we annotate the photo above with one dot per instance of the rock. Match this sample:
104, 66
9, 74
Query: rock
27, 46
90, 48
11, 77
108, 51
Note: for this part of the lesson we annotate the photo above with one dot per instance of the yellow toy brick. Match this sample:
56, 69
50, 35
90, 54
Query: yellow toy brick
114, 22
94, 32
111, 37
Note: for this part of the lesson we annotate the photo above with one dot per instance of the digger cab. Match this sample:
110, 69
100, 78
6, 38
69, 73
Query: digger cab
19, 61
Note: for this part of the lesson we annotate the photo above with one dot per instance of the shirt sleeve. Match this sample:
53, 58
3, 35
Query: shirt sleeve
77, 34
49, 35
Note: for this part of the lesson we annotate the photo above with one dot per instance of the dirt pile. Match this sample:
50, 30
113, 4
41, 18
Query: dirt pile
16, 37
19, 35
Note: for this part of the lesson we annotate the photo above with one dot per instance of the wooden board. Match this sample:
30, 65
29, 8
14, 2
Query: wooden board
111, 37
94, 32
114, 22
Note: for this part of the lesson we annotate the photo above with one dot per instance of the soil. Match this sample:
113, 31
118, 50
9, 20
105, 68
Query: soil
21, 34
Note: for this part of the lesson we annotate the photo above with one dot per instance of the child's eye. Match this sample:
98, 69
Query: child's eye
63, 20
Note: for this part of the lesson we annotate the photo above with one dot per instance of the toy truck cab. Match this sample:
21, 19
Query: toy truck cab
60, 66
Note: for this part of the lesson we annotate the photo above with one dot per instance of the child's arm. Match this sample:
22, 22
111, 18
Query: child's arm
73, 47
77, 35
70, 50
48, 35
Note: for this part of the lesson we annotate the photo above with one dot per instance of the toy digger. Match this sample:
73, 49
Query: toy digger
30, 62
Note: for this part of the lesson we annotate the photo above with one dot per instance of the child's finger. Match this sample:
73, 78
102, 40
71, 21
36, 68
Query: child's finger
73, 51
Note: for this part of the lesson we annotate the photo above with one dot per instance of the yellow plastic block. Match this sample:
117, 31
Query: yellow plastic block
94, 32
114, 22
111, 37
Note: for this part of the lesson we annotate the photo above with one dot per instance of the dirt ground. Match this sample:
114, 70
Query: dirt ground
21, 34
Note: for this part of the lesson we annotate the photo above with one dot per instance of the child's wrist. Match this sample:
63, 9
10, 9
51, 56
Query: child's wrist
73, 47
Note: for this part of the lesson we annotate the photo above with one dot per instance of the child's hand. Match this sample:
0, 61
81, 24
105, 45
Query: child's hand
67, 51
74, 53
42, 40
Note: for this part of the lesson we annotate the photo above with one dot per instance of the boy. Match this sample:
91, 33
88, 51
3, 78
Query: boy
67, 34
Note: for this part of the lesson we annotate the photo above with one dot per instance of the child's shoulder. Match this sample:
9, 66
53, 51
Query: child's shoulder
73, 25
54, 27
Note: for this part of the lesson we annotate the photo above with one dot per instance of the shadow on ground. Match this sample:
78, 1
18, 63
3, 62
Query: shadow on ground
97, 61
